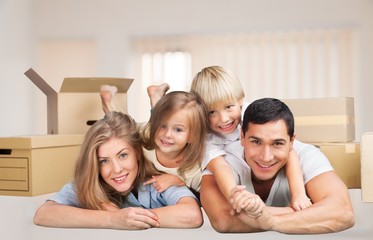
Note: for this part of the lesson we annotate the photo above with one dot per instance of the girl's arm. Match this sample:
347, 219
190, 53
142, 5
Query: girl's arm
185, 214
223, 175
164, 181
51, 213
299, 198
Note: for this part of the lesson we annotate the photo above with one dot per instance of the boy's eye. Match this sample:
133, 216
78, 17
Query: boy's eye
211, 113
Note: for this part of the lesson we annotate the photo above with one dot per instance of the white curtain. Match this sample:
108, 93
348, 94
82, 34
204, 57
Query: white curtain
282, 64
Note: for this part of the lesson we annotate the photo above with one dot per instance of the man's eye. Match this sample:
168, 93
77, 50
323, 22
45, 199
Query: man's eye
278, 143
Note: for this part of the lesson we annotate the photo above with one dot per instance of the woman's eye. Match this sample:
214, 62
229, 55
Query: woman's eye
123, 155
103, 161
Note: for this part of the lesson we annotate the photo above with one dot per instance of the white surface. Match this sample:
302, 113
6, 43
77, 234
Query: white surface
16, 215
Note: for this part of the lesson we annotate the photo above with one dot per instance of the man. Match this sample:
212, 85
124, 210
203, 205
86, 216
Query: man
267, 137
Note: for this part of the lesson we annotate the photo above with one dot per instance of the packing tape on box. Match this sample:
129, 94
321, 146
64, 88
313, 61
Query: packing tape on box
323, 120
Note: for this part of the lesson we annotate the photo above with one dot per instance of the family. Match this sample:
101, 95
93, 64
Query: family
202, 149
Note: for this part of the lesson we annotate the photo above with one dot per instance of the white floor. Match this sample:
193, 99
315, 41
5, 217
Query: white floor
16, 223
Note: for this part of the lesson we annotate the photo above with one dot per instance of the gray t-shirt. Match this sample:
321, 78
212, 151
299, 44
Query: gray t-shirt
148, 197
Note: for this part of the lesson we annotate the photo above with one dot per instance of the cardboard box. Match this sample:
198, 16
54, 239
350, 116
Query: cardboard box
345, 159
367, 166
34, 165
77, 105
323, 119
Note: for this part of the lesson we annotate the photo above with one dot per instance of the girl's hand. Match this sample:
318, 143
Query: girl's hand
164, 181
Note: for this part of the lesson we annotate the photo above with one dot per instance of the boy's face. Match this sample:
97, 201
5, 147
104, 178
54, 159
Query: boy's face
266, 148
225, 117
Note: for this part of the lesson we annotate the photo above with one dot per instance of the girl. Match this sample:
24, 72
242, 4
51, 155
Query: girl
174, 138
108, 190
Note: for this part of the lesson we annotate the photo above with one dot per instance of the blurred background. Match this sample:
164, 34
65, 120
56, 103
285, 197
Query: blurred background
283, 49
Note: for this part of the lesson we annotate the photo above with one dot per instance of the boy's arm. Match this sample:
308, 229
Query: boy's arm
223, 175
299, 198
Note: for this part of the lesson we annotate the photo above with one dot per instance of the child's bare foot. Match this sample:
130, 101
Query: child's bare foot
156, 92
106, 93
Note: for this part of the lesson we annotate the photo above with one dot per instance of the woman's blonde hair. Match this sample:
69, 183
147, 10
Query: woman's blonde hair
91, 189
217, 85
172, 102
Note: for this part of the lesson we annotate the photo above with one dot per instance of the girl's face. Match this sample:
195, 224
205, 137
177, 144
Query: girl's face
225, 117
173, 134
118, 164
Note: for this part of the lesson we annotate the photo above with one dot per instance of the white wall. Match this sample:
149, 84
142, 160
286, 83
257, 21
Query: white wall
113, 23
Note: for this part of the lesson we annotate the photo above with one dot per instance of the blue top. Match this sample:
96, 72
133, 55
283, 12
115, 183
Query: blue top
148, 197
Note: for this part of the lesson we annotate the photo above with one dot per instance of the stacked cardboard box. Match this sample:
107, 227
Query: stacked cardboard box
367, 166
329, 124
33, 165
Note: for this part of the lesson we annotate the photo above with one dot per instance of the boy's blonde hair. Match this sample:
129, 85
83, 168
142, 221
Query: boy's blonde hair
216, 85
172, 102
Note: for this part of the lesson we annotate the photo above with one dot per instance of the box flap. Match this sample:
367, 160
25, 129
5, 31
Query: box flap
40, 82
40, 141
92, 84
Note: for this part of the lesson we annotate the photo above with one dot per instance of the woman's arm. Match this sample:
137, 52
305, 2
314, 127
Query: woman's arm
50, 214
185, 214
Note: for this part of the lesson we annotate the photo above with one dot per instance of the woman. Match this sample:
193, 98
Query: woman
108, 189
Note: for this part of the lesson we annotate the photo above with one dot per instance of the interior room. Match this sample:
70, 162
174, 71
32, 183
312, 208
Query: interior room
289, 49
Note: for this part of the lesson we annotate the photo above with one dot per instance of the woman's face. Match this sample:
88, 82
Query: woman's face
118, 164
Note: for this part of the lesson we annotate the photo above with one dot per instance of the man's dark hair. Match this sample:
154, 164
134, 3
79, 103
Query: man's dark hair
266, 110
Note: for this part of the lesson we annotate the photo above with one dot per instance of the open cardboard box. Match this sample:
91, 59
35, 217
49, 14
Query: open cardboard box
78, 104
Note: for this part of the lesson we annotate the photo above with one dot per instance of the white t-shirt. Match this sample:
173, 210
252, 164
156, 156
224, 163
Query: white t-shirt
313, 163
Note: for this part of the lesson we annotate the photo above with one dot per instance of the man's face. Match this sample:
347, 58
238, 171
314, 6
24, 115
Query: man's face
266, 148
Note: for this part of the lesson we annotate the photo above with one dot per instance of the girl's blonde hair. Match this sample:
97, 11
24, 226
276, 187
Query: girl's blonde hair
91, 189
172, 102
217, 85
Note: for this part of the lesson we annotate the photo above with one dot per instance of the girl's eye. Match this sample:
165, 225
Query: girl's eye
179, 130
